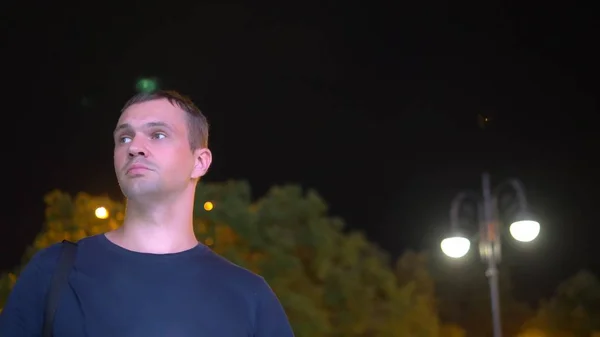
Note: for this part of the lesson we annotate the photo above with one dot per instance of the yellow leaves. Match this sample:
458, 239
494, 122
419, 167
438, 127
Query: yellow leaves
225, 236
256, 257
221, 237
452, 330
112, 224
254, 260
201, 227
95, 230
572, 311
12, 278
72, 219
532, 333
7, 282
78, 235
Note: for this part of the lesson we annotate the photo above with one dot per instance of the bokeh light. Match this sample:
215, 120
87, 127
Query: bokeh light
101, 213
146, 85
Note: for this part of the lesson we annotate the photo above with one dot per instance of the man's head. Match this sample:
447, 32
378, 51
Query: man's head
160, 145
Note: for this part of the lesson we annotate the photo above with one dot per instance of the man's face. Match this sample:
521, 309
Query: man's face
152, 153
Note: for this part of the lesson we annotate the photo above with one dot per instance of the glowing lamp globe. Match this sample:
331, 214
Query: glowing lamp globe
525, 230
456, 247
101, 213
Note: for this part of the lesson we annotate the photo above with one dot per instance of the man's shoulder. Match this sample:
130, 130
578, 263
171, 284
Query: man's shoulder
230, 269
235, 275
46, 259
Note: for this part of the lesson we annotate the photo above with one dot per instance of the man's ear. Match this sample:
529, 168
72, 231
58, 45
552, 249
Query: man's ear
203, 159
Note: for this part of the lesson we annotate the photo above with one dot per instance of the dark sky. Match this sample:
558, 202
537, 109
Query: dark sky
374, 106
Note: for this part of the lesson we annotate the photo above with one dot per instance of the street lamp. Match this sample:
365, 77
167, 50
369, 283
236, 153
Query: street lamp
525, 229
456, 246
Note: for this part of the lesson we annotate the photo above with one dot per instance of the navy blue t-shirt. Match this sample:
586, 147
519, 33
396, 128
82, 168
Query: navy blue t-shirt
114, 292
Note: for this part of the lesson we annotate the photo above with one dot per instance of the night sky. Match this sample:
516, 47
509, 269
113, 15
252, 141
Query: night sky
375, 107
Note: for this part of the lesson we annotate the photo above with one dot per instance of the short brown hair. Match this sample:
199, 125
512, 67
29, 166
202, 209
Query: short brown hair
197, 122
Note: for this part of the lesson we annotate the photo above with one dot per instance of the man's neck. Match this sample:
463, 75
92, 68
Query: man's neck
160, 228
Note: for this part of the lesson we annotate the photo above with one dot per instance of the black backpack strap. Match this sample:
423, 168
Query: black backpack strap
59, 280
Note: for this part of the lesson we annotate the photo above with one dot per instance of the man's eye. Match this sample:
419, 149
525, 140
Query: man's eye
158, 135
125, 139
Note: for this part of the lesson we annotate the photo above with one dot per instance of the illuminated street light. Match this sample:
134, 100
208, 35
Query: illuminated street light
525, 229
101, 213
456, 247
208, 206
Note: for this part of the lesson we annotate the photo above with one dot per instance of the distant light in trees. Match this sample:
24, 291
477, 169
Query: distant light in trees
208, 206
146, 85
101, 213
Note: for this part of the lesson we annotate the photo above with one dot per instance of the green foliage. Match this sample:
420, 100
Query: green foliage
574, 310
331, 283
72, 219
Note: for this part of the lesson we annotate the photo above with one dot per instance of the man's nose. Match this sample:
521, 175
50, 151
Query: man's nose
137, 148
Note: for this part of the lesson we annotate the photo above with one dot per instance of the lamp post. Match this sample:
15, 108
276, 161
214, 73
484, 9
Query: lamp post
523, 229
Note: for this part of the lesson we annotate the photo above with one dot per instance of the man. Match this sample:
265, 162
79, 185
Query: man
150, 277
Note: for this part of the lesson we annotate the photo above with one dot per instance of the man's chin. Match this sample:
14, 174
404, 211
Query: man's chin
140, 191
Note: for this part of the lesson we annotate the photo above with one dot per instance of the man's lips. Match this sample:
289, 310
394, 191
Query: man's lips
137, 168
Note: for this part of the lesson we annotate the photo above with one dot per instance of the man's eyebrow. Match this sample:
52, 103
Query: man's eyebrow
147, 125
122, 127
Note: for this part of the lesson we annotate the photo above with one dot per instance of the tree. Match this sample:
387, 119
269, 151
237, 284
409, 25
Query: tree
412, 268
573, 311
72, 219
331, 283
